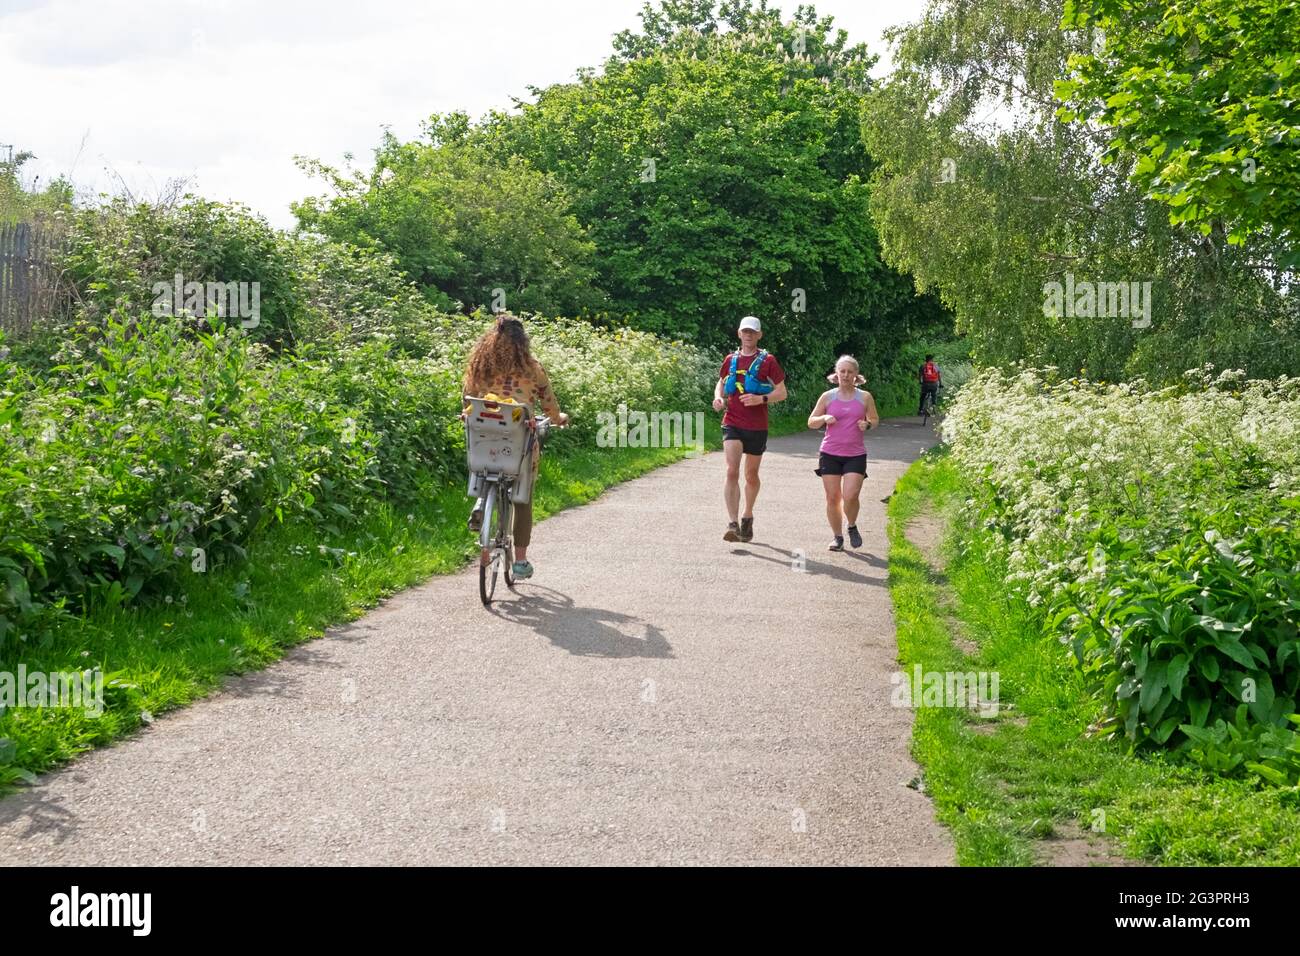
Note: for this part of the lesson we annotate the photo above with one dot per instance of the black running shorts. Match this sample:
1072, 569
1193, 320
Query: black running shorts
752, 441
841, 465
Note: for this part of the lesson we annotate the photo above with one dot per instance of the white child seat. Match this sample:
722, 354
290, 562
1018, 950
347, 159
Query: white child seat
498, 441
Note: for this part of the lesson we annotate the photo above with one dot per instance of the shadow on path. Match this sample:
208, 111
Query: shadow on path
43, 814
587, 631
819, 567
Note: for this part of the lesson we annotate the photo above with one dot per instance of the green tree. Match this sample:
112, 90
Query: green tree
719, 167
1206, 95
986, 195
461, 224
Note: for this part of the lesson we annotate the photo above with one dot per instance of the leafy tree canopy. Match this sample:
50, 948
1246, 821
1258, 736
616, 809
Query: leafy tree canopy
1206, 95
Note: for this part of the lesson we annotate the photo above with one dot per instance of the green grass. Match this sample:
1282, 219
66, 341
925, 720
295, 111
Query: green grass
1038, 772
236, 619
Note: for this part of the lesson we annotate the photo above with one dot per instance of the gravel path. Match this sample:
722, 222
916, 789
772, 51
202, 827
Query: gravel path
656, 695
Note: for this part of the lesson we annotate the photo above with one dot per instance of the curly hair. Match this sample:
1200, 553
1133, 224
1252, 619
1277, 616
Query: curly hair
500, 353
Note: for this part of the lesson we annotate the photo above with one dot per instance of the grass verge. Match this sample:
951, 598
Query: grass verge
1028, 786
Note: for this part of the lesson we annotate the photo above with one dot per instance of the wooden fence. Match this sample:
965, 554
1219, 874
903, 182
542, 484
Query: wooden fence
31, 290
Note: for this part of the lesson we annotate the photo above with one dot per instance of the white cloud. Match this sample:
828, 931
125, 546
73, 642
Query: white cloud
228, 91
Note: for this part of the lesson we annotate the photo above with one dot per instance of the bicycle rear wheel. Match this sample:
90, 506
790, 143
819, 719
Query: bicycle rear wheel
507, 538
489, 560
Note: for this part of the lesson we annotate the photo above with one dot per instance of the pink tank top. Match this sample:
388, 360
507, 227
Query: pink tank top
844, 438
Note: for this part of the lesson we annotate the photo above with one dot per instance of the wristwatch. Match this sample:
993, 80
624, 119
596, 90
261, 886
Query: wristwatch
764, 399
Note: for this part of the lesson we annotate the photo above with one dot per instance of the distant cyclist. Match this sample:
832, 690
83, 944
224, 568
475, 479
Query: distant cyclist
931, 381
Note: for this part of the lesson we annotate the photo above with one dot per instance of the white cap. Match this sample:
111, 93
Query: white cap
750, 322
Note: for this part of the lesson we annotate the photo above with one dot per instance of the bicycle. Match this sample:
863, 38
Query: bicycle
928, 407
499, 439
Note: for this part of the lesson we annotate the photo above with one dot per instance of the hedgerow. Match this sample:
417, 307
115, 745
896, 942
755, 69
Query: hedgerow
1155, 531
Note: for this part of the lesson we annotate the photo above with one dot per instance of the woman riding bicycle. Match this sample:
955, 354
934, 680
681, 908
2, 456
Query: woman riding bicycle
500, 363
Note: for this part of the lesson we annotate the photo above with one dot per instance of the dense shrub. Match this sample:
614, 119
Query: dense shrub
117, 252
1181, 637
1156, 531
353, 294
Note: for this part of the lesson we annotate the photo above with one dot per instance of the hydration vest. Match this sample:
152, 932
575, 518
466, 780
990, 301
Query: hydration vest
749, 382
930, 372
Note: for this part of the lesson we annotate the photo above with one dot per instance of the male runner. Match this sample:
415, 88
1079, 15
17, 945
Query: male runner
744, 426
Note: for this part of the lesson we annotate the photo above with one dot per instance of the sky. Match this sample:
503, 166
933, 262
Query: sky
225, 93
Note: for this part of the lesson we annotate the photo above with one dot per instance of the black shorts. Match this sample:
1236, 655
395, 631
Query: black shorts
842, 465
752, 441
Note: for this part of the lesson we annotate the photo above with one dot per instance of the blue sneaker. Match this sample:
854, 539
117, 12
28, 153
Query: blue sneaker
521, 570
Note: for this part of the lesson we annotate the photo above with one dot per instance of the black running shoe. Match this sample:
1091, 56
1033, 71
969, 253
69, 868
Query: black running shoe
746, 529
855, 539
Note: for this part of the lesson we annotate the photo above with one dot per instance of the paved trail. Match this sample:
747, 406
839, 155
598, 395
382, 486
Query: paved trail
657, 696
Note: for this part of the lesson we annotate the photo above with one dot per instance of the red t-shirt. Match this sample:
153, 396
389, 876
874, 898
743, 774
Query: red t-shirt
751, 417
